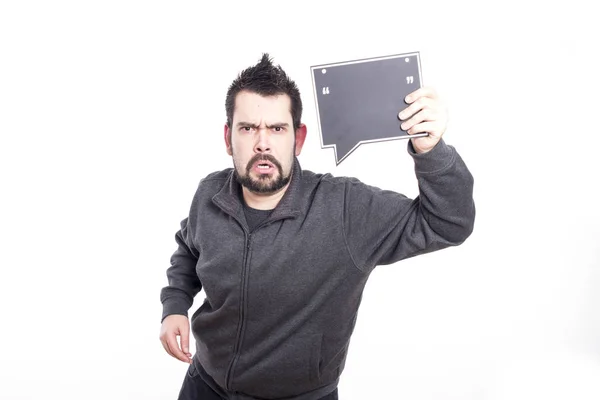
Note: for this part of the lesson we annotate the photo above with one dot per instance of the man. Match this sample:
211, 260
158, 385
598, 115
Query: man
283, 254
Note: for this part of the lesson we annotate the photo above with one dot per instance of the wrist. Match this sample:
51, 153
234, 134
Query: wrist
438, 157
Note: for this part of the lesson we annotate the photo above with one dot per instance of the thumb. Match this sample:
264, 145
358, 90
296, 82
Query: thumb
185, 339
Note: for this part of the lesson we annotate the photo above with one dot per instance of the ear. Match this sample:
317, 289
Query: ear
300, 138
227, 137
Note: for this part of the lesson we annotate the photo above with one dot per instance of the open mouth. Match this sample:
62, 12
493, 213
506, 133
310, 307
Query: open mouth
263, 167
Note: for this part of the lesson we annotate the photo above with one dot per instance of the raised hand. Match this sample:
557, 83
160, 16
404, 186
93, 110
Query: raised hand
425, 113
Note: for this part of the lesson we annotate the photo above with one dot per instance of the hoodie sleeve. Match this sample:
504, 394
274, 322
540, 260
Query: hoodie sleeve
384, 227
183, 283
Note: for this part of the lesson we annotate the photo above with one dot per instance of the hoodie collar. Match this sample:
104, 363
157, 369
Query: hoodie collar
229, 198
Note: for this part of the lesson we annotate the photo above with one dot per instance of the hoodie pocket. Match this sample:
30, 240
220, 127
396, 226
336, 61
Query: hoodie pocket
292, 368
315, 360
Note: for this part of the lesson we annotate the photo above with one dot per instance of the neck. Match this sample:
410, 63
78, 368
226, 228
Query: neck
262, 201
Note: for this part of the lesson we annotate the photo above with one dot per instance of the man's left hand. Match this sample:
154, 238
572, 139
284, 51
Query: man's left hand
425, 113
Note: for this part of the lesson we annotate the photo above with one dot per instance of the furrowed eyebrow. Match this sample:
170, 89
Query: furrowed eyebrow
252, 125
279, 125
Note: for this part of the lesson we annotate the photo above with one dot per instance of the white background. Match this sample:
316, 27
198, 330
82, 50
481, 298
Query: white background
111, 112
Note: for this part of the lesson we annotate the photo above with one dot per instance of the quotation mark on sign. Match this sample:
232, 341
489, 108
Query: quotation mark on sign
409, 79
326, 90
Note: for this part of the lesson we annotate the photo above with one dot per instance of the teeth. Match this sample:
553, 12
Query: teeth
263, 166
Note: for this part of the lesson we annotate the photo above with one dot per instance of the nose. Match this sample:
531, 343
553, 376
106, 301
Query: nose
262, 141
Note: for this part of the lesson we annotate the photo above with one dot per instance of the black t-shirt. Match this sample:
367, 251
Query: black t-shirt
254, 217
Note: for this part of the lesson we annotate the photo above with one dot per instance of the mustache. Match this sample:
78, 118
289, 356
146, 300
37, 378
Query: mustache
263, 157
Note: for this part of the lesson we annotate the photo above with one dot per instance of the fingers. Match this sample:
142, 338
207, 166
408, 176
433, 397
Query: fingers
163, 341
426, 114
168, 339
420, 98
425, 127
419, 104
175, 350
185, 340
422, 92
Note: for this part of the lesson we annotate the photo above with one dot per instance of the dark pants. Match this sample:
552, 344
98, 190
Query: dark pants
194, 388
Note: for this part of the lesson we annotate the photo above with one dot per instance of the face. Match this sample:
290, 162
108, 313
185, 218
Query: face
262, 143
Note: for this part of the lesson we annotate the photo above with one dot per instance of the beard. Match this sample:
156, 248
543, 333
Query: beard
264, 184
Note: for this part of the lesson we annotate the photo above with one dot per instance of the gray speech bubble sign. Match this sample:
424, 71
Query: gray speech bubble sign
358, 101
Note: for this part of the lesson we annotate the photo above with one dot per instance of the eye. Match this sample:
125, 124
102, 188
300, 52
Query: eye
278, 129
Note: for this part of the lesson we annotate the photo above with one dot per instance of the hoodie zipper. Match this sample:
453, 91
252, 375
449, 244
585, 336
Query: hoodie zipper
245, 272
238, 341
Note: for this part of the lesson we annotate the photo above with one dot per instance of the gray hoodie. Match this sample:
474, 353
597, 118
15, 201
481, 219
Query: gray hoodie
282, 301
